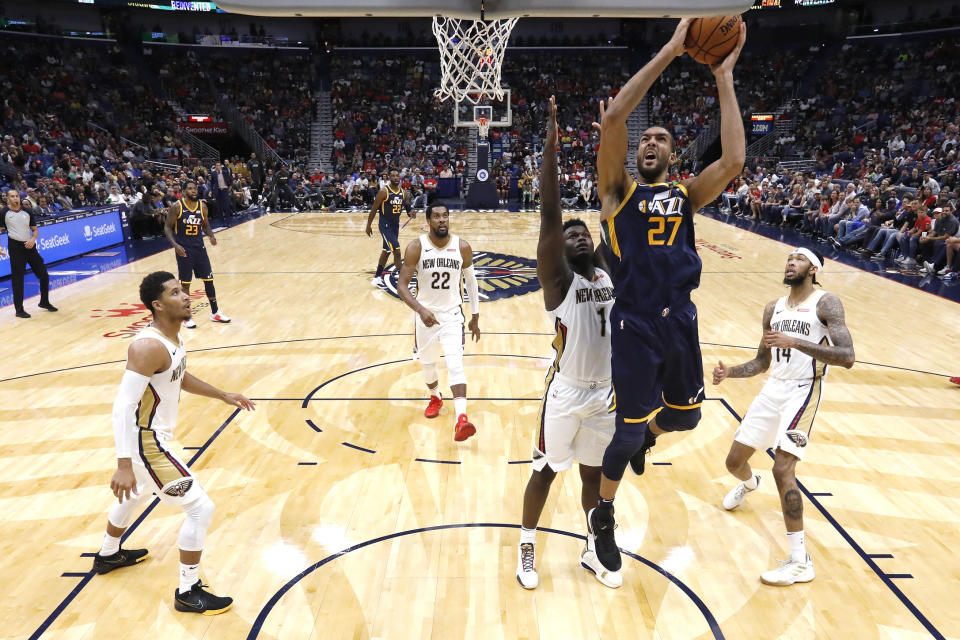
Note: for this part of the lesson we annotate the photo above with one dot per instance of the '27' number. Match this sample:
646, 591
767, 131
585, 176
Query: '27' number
658, 230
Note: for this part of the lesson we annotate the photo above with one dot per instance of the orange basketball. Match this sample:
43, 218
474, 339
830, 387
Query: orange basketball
709, 40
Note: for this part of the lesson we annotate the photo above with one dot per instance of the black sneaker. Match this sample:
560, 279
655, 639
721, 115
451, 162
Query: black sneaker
199, 600
22, 314
602, 525
122, 558
639, 459
47, 306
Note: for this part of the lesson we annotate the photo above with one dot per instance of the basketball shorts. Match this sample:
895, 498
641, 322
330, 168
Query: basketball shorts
781, 416
448, 337
574, 424
655, 362
390, 232
196, 263
160, 471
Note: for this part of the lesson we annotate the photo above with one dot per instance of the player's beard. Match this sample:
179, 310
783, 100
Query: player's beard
797, 279
441, 233
652, 175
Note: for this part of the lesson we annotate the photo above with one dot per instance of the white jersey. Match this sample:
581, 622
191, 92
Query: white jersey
804, 324
582, 323
439, 275
157, 410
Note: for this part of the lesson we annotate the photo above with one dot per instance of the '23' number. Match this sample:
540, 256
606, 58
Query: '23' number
656, 235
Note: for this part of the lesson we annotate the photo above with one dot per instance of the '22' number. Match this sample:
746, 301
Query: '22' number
437, 277
658, 229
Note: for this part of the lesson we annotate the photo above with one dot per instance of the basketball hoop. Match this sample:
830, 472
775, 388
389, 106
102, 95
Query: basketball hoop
483, 126
471, 55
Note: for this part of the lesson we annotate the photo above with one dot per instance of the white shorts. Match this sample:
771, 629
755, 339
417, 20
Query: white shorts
574, 423
781, 416
448, 337
160, 471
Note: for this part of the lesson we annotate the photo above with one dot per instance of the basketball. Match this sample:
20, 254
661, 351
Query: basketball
709, 40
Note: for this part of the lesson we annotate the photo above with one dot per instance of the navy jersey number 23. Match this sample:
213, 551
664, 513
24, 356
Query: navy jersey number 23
652, 248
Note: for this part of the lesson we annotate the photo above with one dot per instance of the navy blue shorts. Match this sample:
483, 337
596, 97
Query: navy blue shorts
656, 363
391, 236
195, 263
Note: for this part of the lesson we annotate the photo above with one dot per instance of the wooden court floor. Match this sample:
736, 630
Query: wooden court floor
343, 513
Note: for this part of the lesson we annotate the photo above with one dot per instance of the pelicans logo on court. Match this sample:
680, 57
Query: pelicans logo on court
499, 276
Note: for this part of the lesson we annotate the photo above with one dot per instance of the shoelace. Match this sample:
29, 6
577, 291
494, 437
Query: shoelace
526, 556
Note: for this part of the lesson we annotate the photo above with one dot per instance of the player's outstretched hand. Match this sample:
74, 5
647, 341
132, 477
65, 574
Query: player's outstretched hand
603, 110
474, 326
719, 373
240, 401
676, 46
551, 141
428, 318
726, 65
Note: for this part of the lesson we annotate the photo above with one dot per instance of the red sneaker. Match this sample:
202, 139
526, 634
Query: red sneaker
955, 380
464, 429
433, 409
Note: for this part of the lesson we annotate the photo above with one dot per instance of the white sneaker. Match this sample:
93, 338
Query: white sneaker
929, 267
219, 317
527, 566
944, 271
189, 324
590, 562
738, 494
377, 281
788, 572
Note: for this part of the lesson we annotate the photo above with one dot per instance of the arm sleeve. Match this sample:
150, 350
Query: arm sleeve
470, 280
125, 428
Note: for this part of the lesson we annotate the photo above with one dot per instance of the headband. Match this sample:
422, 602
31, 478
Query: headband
809, 255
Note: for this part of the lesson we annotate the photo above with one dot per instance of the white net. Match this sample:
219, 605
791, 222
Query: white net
471, 56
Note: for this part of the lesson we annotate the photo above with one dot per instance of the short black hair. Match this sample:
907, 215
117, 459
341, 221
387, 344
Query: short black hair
193, 182
151, 288
575, 222
435, 205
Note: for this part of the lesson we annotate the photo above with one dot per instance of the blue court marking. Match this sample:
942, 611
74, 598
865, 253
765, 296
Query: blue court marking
879, 556
821, 495
897, 576
661, 464
867, 558
313, 426
358, 448
86, 580
272, 602
520, 462
190, 448
307, 464
76, 574
437, 461
88, 554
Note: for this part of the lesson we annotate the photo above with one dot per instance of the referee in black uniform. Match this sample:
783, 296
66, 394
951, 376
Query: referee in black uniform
22, 235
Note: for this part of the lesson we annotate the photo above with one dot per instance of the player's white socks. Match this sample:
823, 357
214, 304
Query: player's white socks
752, 483
528, 535
798, 549
110, 545
435, 392
189, 574
459, 406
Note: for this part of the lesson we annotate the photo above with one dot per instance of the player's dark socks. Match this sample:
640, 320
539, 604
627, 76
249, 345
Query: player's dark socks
379, 271
122, 558
602, 525
211, 295
638, 461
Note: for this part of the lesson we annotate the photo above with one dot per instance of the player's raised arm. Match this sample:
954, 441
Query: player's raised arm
612, 176
704, 188
552, 268
756, 366
377, 203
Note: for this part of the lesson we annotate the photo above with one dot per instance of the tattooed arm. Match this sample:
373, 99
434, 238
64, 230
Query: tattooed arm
830, 312
758, 365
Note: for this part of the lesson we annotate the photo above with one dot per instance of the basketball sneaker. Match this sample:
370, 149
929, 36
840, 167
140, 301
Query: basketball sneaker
590, 562
377, 282
433, 409
189, 324
738, 494
122, 558
638, 461
464, 429
219, 316
199, 600
527, 566
602, 524
789, 572
955, 380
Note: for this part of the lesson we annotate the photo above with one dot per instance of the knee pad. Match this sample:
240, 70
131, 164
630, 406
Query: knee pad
430, 373
455, 369
122, 513
625, 443
670, 419
193, 533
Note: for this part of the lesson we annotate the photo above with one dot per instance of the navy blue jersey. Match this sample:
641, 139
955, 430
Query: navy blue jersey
392, 207
188, 224
654, 261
